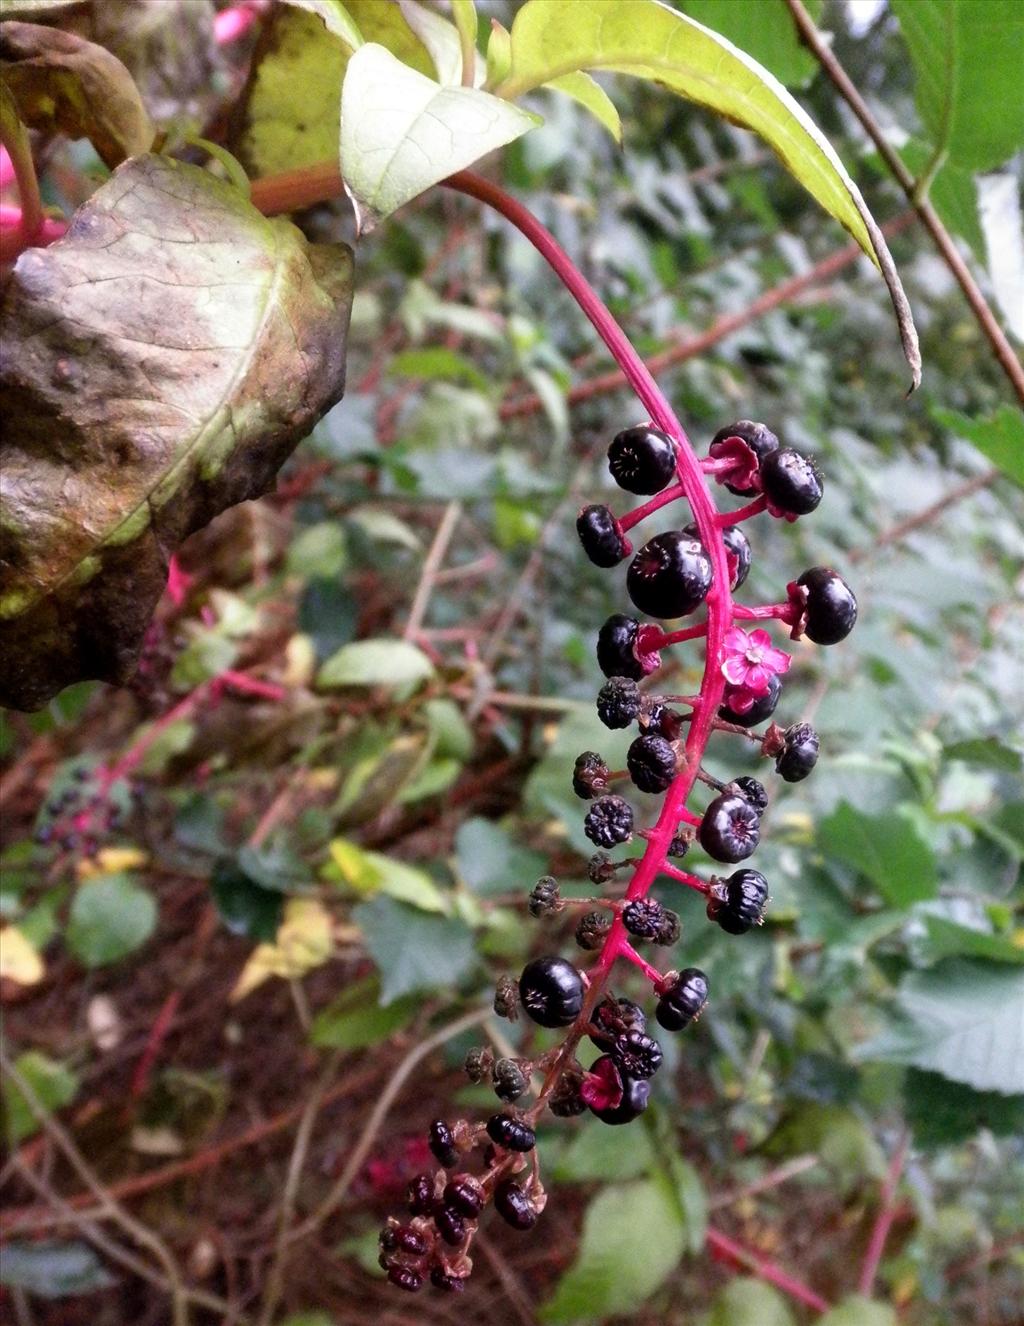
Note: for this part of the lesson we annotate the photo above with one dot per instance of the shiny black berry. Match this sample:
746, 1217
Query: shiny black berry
643, 917
829, 604
616, 652
464, 1194
636, 1092
450, 1225
592, 930
737, 903
642, 460
544, 897
442, 1144
602, 539
799, 753
612, 1018
421, 1195
618, 702
512, 1134
405, 1278
551, 990
763, 707
609, 821
730, 828
791, 482
670, 575
451, 1284
410, 1240
753, 791
589, 775
683, 1001
510, 1082
513, 1205
737, 552
651, 762
761, 441
637, 1055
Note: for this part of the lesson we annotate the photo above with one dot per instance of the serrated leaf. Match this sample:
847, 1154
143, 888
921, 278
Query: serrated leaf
402, 132
375, 663
650, 40
888, 848
109, 919
357, 1018
65, 84
632, 1238
962, 1019
53, 1083
414, 950
749, 1302
1000, 437
53, 1269
960, 51
185, 343
856, 1310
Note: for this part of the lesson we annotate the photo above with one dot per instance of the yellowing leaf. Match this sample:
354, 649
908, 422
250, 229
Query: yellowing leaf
19, 959
592, 97
111, 860
367, 873
305, 940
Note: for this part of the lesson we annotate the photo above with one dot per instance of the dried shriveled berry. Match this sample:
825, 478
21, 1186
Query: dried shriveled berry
441, 1140
420, 1195
544, 897
592, 930
618, 702
551, 990
510, 1082
478, 1063
506, 998
737, 903
643, 917
601, 868
611, 1018
637, 1055
589, 775
751, 790
565, 1101
678, 847
669, 930
609, 821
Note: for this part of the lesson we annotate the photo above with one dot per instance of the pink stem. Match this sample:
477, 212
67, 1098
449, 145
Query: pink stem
753, 508
239, 681
883, 1222
684, 877
766, 1270
629, 952
659, 500
135, 754
689, 817
691, 477
653, 639
782, 612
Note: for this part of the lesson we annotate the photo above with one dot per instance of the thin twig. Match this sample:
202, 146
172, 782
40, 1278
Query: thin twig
773, 1179
431, 566
898, 532
766, 1270
885, 1217
917, 198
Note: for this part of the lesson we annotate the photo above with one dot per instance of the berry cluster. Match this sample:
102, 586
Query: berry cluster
671, 576
83, 814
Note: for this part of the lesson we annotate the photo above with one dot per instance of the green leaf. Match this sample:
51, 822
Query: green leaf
962, 1019
402, 132
596, 1152
356, 1018
54, 1085
381, 662
62, 83
988, 752
437, 361
110, 918
1000, 437
749, 1302
174, 296
856, 1310
765, 30
275, 865
953, 193
840, 1137
491, 862
319, 552
335, 17
946, 938
440, 37
367, 873
414, 950
887, 848
649, 40
945, 1113
245, 907
589, 94
961, 50
632, 1239
52, 1269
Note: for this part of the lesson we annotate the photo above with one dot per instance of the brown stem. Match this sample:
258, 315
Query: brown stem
812, 39
765, 1269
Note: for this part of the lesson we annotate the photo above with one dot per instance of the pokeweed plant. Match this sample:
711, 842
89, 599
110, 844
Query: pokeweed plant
263, 386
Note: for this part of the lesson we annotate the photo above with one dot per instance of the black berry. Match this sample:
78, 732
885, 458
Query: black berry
636, 1092
464, 1194
763, 706
730, 828
405, 1278
830, 606
601, 868
637, 1055
611, 1018
642, 460
643, 917
421, 1195
678, 847
799, 753
544, 897
670, 575
791, 482
552, 992
683, 1001
602, 539
410, 1240
616, 652
589, 775
737, 903
442, 1144
450, 1225
512, 1134
510, 1082
669, 930
618, 702
661, 721
565, 1101
513, 1205
753, 791
609, 821
592, 930
761, 441
737, 552
651, 762
451, 1284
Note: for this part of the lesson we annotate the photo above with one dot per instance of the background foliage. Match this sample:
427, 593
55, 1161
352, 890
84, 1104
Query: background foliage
302, 890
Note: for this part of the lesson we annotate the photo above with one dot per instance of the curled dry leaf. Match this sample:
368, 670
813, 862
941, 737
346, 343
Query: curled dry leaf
159, 364
63, 83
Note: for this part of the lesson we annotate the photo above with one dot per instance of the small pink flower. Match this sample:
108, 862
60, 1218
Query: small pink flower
751, 660
602, 1086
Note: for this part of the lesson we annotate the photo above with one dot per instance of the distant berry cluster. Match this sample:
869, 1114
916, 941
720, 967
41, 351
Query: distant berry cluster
671, 576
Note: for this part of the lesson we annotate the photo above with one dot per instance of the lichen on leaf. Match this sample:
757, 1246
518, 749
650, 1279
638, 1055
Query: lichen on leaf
160, 363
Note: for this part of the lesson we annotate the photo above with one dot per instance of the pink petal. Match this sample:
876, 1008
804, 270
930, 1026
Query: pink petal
758, 679
778, 660
740, 700
760, 639
602, 1087
734, 669
736, 640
